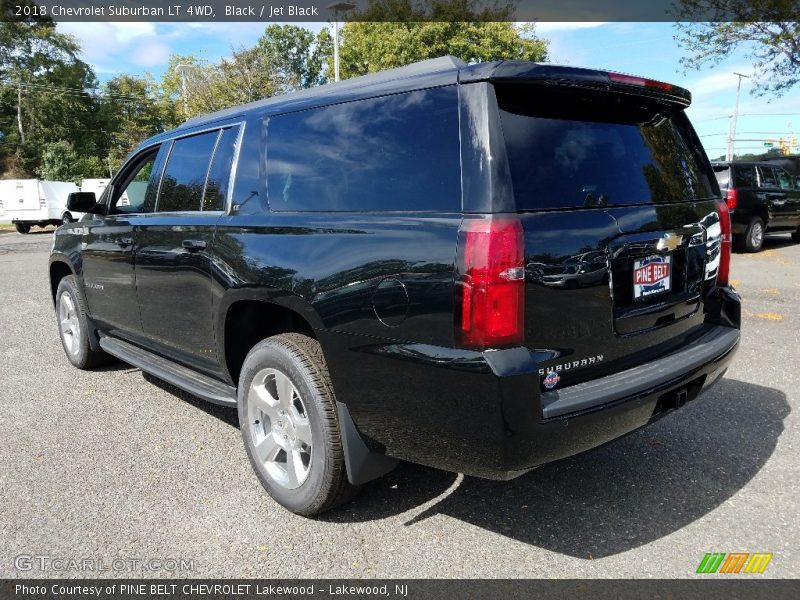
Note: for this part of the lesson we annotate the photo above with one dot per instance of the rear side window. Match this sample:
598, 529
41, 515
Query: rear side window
784, 179
745, 176
767, 177
571, 149
185, 173
220, 172
394, 153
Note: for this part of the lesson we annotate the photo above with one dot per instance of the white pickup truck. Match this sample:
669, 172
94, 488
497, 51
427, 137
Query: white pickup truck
29, 202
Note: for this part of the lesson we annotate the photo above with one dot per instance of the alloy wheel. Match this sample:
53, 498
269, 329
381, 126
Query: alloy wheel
279, 428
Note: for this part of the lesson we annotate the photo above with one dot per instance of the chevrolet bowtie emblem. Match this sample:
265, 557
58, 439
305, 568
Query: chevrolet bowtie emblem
669, 241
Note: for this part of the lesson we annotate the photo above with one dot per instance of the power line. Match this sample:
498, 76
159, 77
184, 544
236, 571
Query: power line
54, 89
748, 115
749, 133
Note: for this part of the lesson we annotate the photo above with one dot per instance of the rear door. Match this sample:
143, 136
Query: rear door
615, 196
21, 199
777, 199
174, 248
792, 191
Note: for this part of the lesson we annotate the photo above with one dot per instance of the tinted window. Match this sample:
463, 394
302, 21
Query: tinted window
136, 192
723, 175
767, 177
185, 173
396, 153
784, 179
745, 176
571, 149
220, 172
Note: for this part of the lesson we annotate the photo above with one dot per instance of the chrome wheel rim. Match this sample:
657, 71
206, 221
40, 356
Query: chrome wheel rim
280, 431
757, 235
69, 324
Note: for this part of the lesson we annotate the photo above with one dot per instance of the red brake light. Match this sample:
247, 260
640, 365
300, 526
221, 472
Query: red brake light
725, 244
732, 199
491, 281
640, 81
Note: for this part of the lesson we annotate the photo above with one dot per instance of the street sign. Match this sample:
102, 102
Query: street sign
768, 144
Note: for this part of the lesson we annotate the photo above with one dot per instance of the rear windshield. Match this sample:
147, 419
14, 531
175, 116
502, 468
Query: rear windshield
569, 148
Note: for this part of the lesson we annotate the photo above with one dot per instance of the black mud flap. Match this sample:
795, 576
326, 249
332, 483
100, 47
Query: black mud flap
363, 465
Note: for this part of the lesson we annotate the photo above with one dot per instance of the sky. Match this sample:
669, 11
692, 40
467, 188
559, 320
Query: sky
644, 49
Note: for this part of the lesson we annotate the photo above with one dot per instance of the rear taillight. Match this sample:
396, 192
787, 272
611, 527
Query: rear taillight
490, 288
732, 199
725, 244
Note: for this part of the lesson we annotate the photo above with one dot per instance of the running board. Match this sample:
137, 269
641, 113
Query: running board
182, 377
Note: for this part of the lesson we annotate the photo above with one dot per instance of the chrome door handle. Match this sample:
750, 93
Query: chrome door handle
193, 245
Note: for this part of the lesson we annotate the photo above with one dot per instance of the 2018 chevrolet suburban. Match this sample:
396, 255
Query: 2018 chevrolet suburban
479, 268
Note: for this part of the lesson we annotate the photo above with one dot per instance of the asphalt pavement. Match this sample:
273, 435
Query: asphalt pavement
113, 464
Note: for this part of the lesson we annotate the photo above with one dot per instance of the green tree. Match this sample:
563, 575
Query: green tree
768, 30
58, 162
46, 92
370, 46
392, 33
284, 59
297, 57
131, 111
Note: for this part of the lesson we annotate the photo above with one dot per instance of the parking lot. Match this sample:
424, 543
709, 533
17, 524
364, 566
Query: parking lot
114, 464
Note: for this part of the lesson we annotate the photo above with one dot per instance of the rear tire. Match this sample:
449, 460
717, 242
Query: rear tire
67, 219
289, 424
754, 235
73, 327
22, 228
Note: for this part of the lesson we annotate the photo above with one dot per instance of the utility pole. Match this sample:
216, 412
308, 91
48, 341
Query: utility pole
336, 7
19, 113
734, 117
182, 69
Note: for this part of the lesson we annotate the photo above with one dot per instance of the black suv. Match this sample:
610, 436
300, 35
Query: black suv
479, 268
761, 198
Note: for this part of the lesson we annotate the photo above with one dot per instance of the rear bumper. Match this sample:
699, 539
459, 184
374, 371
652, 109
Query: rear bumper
482, 413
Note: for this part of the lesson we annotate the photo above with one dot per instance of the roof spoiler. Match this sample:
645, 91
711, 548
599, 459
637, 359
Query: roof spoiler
546, 74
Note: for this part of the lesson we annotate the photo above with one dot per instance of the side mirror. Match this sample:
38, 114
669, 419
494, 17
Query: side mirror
81, 201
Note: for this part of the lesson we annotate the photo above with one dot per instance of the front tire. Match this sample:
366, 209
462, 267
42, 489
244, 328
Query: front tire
22, 228
754, 236
73, 327
289, 424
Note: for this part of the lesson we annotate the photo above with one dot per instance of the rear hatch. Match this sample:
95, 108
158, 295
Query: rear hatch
21, 195
616, 200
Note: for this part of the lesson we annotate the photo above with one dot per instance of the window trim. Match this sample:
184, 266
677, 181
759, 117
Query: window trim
112, 186
229, 194
761, 181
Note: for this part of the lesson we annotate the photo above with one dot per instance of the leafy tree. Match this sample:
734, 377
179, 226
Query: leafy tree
769, 30
58, 162
284, 59
392, 33
369, 46
298, 58
131, 112
196, 74
46, 91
